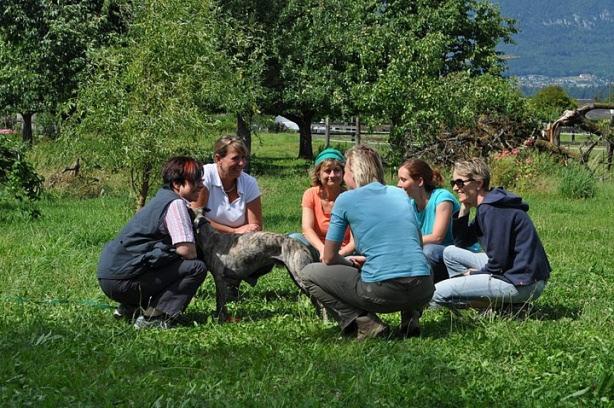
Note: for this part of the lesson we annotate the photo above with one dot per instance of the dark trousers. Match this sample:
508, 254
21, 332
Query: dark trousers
168, 289
341, 290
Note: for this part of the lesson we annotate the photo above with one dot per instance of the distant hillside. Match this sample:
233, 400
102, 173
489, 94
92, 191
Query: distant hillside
561, 38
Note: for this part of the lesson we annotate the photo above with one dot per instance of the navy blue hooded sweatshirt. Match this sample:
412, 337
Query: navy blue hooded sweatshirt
508, 237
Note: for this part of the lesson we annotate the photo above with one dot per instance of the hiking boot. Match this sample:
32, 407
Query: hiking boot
124, 311
410, 324
370, 326
158, 322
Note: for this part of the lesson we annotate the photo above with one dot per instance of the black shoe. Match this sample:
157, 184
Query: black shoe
124, 311
158, 322
410, 324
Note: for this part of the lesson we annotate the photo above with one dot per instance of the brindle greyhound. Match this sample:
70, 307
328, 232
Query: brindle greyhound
233, 257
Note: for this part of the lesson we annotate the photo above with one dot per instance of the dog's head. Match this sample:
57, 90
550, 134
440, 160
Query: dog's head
198, 217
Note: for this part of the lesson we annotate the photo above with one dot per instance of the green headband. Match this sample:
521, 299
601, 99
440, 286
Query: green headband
329, 153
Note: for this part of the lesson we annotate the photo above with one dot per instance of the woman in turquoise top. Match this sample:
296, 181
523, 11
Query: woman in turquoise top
434, 207
390, 272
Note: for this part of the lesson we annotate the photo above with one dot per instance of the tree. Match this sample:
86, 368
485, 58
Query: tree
44, 46
550, 101
415, 56
154, 87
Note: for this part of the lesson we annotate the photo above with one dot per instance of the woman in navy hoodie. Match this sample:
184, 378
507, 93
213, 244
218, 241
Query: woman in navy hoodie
513, 269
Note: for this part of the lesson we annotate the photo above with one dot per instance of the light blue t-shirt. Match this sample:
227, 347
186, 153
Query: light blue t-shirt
385, 231
426, 217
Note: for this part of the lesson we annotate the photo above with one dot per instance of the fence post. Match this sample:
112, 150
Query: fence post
327, 132
357, 129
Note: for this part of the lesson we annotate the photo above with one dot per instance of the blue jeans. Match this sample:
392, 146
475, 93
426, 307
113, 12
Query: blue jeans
482, 291
458, 260
434, 254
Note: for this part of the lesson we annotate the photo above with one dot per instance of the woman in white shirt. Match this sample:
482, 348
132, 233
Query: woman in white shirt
232, 196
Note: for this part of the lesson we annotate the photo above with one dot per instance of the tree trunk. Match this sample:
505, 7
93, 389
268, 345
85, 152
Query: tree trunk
245, 134
304, 128
144, 186
26, 132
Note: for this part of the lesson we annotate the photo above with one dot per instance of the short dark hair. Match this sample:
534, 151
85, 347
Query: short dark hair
181, 168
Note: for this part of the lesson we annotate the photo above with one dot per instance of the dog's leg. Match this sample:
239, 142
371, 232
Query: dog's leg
220, 292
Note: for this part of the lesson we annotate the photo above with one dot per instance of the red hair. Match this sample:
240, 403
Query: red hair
419, 168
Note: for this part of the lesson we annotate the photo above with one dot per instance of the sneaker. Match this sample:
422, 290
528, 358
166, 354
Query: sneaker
370, 326
124, 311
158, 322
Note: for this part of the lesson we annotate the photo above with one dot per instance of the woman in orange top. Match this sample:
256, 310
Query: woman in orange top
318, 200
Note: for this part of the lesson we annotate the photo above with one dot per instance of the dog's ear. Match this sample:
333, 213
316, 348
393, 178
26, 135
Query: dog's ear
199, 218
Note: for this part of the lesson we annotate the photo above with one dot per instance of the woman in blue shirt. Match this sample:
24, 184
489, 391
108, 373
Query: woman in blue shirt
391, 273
433, 207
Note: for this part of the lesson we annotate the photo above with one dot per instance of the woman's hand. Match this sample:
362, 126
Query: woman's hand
356, 260
247, 228
469, 271
464, 210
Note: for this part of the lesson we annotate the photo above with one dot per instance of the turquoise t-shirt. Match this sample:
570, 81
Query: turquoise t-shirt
426, 217
385, 231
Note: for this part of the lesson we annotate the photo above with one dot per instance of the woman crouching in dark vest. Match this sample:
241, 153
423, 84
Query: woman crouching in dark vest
151, 267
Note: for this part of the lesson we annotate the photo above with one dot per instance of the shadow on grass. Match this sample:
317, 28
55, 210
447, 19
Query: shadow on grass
553, 312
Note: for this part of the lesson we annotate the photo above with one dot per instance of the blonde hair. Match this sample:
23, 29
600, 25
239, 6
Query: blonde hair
225, 143
475, 169
366, 165
314, 175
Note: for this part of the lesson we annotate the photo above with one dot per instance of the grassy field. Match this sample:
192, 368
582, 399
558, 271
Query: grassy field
61, 347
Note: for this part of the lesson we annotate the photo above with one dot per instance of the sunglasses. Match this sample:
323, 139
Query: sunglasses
460, 183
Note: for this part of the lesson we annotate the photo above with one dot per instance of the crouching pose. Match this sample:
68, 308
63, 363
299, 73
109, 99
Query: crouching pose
390, 273
513, 268
151, 267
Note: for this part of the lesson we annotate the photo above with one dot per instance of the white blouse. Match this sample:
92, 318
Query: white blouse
222, 211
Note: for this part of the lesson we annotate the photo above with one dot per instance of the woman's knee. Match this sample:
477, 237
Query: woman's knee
196, 269
434, 252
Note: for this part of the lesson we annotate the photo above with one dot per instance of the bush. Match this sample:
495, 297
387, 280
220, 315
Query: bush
577, 181
20, 185
522, 169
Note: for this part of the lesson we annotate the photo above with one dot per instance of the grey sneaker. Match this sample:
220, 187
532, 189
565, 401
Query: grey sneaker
158, 322
370, 326
124, 311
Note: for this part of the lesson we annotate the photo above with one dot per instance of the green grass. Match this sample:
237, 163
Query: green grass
60, 346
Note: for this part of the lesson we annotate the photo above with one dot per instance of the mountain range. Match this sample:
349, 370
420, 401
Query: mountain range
571, 41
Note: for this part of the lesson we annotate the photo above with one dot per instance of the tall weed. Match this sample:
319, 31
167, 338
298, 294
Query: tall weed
577, 181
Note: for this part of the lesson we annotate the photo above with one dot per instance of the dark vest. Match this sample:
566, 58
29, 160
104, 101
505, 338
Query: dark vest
140, 246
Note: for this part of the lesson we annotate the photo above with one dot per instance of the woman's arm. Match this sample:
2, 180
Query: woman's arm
253, 216
187, 250
350, 248
331, 254
308, 222
443, 214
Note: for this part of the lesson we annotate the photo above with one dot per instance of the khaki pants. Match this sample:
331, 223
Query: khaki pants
341, 290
